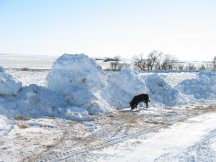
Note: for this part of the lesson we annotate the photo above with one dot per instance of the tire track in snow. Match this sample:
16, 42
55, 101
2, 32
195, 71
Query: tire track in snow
199, 152
6, 130
72, 154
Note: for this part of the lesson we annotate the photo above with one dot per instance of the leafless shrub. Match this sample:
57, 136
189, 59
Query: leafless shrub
190, 67
140, 62
180, 67
168, 62
115, 65
153, 60
203, 67
20, 117
214, 63
24, 69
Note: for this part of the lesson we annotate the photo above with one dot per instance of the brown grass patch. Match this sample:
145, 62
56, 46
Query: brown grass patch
22, 125
20, 117
51, 117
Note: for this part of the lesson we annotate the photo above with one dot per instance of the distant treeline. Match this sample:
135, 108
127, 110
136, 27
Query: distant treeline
156, 60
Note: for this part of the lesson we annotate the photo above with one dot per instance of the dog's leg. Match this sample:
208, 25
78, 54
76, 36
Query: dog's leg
136, 106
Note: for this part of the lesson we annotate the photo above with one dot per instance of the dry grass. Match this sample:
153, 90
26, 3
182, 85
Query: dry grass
22, 125
27, 69
51, 117
20, 117
24, 69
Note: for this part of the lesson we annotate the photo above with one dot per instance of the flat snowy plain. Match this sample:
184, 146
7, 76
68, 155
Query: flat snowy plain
162, 132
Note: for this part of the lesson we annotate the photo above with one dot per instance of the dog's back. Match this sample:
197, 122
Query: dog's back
142, 97
139, 98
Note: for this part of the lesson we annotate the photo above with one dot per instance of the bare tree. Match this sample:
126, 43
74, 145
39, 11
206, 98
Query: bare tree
180, 67
115, 64
153, 60
168, 62
140, 62
209, 66
214, 63
191, 67
203, 67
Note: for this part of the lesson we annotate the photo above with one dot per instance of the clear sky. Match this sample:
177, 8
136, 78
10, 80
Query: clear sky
183, 28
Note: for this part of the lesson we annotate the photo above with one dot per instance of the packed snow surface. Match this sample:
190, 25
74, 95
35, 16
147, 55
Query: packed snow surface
77, 87
192, 140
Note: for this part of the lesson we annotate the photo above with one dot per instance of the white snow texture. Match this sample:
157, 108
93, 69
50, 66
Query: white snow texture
77, 87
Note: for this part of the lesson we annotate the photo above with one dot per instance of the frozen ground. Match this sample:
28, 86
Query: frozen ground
165, 134
178, 130
188, 141
26, 61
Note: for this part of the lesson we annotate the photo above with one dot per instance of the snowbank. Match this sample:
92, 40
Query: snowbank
161, 92
123, 86
77, 87
80, 81
37, 101
84, 84
203, 87
6, 125
8, 85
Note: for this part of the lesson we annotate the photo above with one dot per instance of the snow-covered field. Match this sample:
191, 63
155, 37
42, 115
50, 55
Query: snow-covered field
75, 111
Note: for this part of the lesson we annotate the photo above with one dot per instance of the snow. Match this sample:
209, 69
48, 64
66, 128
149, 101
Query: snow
8, 85
26, 61
174, 144
79, 103
77, 87
82, 84
31, 76
172, 78
203, 87
161, 92
122, 86
86, 85
5, 126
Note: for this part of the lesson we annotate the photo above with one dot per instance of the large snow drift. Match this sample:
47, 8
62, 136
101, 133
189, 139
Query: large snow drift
123, 86
161, 92
80, 81
83, 83
77, 87
203, 87
8, 85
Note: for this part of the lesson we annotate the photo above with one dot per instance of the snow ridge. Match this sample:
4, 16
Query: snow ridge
77, 87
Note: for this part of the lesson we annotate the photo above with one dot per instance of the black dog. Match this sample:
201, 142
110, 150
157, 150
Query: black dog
139, 98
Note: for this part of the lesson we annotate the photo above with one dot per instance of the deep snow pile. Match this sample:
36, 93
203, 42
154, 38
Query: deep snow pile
162, 93
202, 87
86, 85
122, 86
8, 85
77, 87
32, 101
80, 81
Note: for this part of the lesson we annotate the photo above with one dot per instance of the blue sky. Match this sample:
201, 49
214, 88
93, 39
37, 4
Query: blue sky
183, 28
